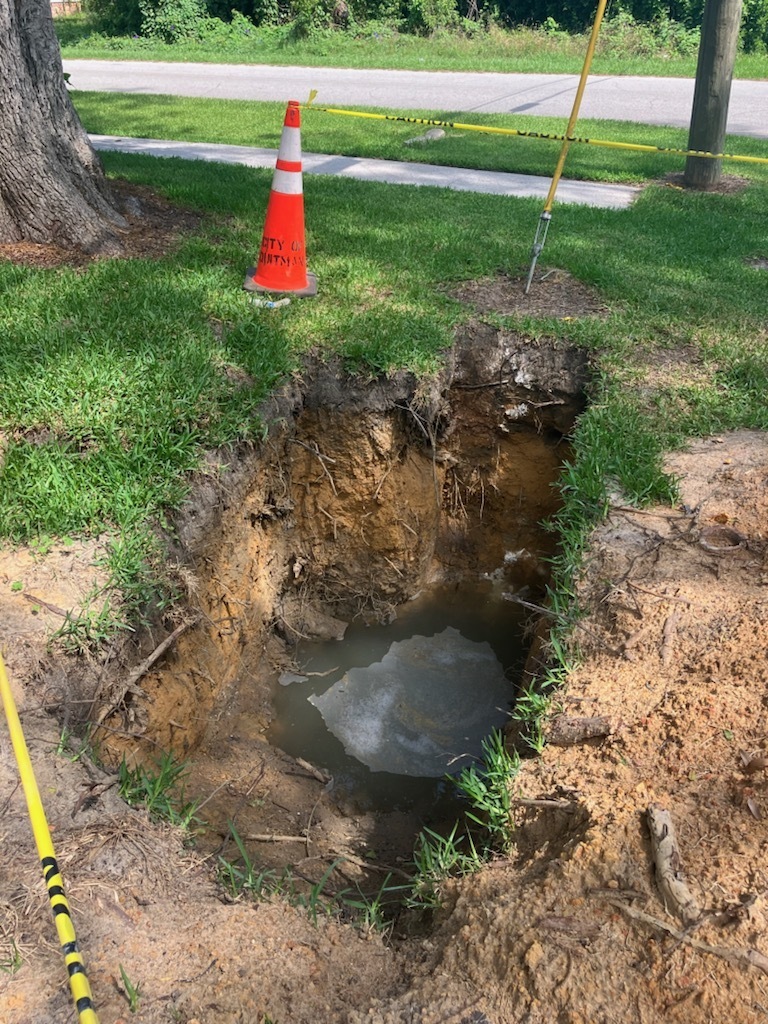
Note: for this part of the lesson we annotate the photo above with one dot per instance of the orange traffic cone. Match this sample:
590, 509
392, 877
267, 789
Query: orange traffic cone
282, 262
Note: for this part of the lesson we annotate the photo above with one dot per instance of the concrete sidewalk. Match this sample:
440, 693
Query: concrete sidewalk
605, 196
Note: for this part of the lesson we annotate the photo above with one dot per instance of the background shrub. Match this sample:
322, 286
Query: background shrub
223, 9
754, 26
426, 16
114, 17
636, 27
170, 20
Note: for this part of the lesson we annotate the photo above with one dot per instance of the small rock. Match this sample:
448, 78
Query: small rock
534, 955
316, 625
132, 207
432, 135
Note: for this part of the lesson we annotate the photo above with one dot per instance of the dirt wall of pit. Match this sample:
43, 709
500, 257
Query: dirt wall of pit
362, 494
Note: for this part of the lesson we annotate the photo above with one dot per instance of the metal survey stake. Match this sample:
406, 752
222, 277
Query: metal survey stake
78, 979
546, 216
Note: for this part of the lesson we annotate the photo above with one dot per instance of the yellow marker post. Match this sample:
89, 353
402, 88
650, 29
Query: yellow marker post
78, 979
546, 216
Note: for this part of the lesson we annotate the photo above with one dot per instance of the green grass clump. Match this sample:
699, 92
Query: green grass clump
160, 792
487, 788
132, 991
437, 858
245, 878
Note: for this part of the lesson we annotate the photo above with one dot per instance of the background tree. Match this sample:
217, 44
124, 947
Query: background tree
52, 186
712, 94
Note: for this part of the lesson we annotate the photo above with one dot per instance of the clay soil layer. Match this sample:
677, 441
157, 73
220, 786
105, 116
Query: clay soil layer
571, 928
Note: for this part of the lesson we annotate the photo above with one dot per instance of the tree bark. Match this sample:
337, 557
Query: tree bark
52, 185
714, 73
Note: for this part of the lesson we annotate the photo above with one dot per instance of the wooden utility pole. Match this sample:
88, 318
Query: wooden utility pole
714, 73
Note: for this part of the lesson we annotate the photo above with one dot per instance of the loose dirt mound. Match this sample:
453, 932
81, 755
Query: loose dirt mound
554, 293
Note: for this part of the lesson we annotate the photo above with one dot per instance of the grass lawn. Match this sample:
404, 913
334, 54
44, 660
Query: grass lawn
245, 123
622, 49
116, 378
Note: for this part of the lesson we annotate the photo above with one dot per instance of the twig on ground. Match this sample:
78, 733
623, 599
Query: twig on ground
7, 803
373, 865
647, 512
532, 607
322, 459
388, 470
93, 790
668, 637
556, 805
567, 731
137, 737
268, 837
243, 798
332, 519
188, 981
660, 597
484, 384
308, 829
678, 898
223, 785
745, 957
316, 773
619, 894
45, 604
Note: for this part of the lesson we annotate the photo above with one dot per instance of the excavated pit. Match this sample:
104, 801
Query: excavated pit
364, 497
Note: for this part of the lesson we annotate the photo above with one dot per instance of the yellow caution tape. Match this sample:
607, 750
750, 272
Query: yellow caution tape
78, 979
488, 130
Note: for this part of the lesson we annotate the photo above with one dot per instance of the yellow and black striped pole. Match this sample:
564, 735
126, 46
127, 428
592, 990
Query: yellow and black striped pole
546, 215
78, 979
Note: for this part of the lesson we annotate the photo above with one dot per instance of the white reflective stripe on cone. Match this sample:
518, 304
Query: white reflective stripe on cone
287, 182
290, 144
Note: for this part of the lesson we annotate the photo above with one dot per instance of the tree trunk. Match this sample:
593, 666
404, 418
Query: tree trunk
52, 186
714, 73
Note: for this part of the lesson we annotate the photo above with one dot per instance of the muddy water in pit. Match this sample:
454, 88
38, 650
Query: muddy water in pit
388, 731
255, 776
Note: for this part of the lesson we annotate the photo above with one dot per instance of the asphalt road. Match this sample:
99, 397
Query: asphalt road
664, 101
